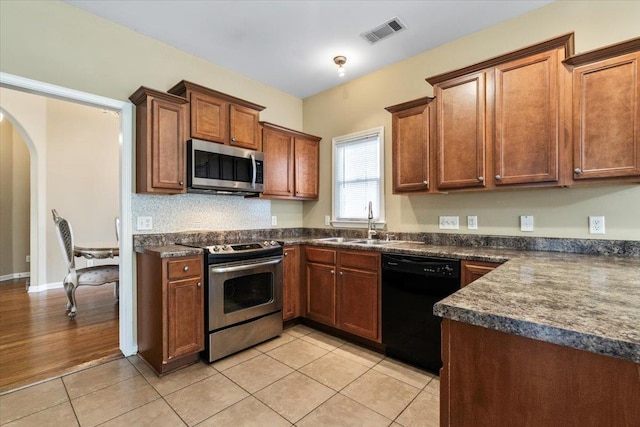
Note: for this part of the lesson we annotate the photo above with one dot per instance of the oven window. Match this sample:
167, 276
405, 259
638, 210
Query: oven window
247, 291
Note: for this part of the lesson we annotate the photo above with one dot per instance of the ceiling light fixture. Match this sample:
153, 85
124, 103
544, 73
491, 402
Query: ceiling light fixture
340, 61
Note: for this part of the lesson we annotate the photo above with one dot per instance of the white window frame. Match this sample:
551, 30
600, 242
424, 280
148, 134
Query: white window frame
379, 217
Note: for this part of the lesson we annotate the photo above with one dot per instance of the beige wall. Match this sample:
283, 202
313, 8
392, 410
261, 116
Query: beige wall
359, 105
83, 169
14, 201
54, 42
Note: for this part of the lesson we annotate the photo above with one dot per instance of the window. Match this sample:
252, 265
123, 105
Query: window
358, 178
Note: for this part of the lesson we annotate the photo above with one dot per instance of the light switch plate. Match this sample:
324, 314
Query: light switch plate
526, 223
449, 222
274, 220
327, 220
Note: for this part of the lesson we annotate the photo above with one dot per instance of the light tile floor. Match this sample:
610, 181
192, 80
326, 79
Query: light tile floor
303, 378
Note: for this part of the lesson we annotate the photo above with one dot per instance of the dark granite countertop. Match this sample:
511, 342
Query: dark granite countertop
587, 302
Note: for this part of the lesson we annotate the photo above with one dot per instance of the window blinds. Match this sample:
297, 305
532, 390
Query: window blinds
357, 178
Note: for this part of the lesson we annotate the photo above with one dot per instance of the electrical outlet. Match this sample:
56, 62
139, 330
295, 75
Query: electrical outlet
28, 258
145, 223
327, 220
448, 222
274, 220
596, 225
526, 223
472, 222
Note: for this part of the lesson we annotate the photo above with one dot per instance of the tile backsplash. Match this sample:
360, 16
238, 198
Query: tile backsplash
182, 212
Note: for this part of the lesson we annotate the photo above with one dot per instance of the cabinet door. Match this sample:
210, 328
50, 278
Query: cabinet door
209, 118
473, 270
291, 294
411, 130
278, 163
243, 127
461, 136
321, 293
358, 302
606, 118
526, 120
306, 161
185, 317
167, 146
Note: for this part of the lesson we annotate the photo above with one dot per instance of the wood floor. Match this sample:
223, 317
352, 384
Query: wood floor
39, 341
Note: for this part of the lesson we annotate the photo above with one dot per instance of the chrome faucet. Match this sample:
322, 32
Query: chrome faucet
371, 228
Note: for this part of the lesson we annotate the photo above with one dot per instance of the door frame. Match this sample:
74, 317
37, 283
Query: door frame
127, 320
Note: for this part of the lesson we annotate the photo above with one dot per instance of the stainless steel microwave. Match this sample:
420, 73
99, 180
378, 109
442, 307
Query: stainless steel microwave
222, 169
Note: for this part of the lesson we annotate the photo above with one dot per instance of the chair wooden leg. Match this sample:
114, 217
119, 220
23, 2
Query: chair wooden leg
74, 308
67, 289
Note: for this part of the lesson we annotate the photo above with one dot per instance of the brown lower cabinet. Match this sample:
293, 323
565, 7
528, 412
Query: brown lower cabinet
491, 378
473, 270
170, 294
291, 286
343, 290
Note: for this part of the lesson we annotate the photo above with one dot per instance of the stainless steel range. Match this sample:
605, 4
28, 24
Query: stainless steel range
243, 298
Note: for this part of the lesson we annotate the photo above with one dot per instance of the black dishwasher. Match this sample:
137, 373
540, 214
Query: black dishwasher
411, 285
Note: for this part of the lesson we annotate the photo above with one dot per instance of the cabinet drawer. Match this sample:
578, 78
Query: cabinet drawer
361, 260
184, 267
321, 255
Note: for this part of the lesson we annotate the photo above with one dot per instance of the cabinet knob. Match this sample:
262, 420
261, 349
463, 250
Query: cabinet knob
480, 179
286, 254
333, 272
498, 178
341, 273
185, 268
233, 140
577, 171
199, 284
181, 183
425, 183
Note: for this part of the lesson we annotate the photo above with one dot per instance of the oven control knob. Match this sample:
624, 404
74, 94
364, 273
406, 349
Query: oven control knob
225, 247
273, 243
265, 243
214, 249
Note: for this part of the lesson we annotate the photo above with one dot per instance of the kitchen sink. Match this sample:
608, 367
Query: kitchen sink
337, 239
374, 242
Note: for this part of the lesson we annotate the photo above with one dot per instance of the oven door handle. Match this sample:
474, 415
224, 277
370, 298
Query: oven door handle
245, 266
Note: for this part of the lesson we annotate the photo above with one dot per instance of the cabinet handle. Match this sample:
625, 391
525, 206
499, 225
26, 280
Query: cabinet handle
425, 183
199, 284
480, 179
233, 140
577, 171
498, 178
185, 268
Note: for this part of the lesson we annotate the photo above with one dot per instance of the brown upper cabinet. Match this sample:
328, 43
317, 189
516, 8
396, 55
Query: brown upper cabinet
291, 163
412, 124
606, 113
499, 122
161, 122
222, 118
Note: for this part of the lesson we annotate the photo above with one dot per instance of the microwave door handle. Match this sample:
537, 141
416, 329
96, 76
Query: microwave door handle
244, 267
253, 166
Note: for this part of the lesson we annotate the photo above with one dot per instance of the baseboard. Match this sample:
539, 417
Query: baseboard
45, 287
14, 276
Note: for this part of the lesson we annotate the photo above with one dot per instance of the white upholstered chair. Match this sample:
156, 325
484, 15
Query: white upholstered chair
92, 276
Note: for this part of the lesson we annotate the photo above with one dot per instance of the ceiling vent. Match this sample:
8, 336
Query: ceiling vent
385, 30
